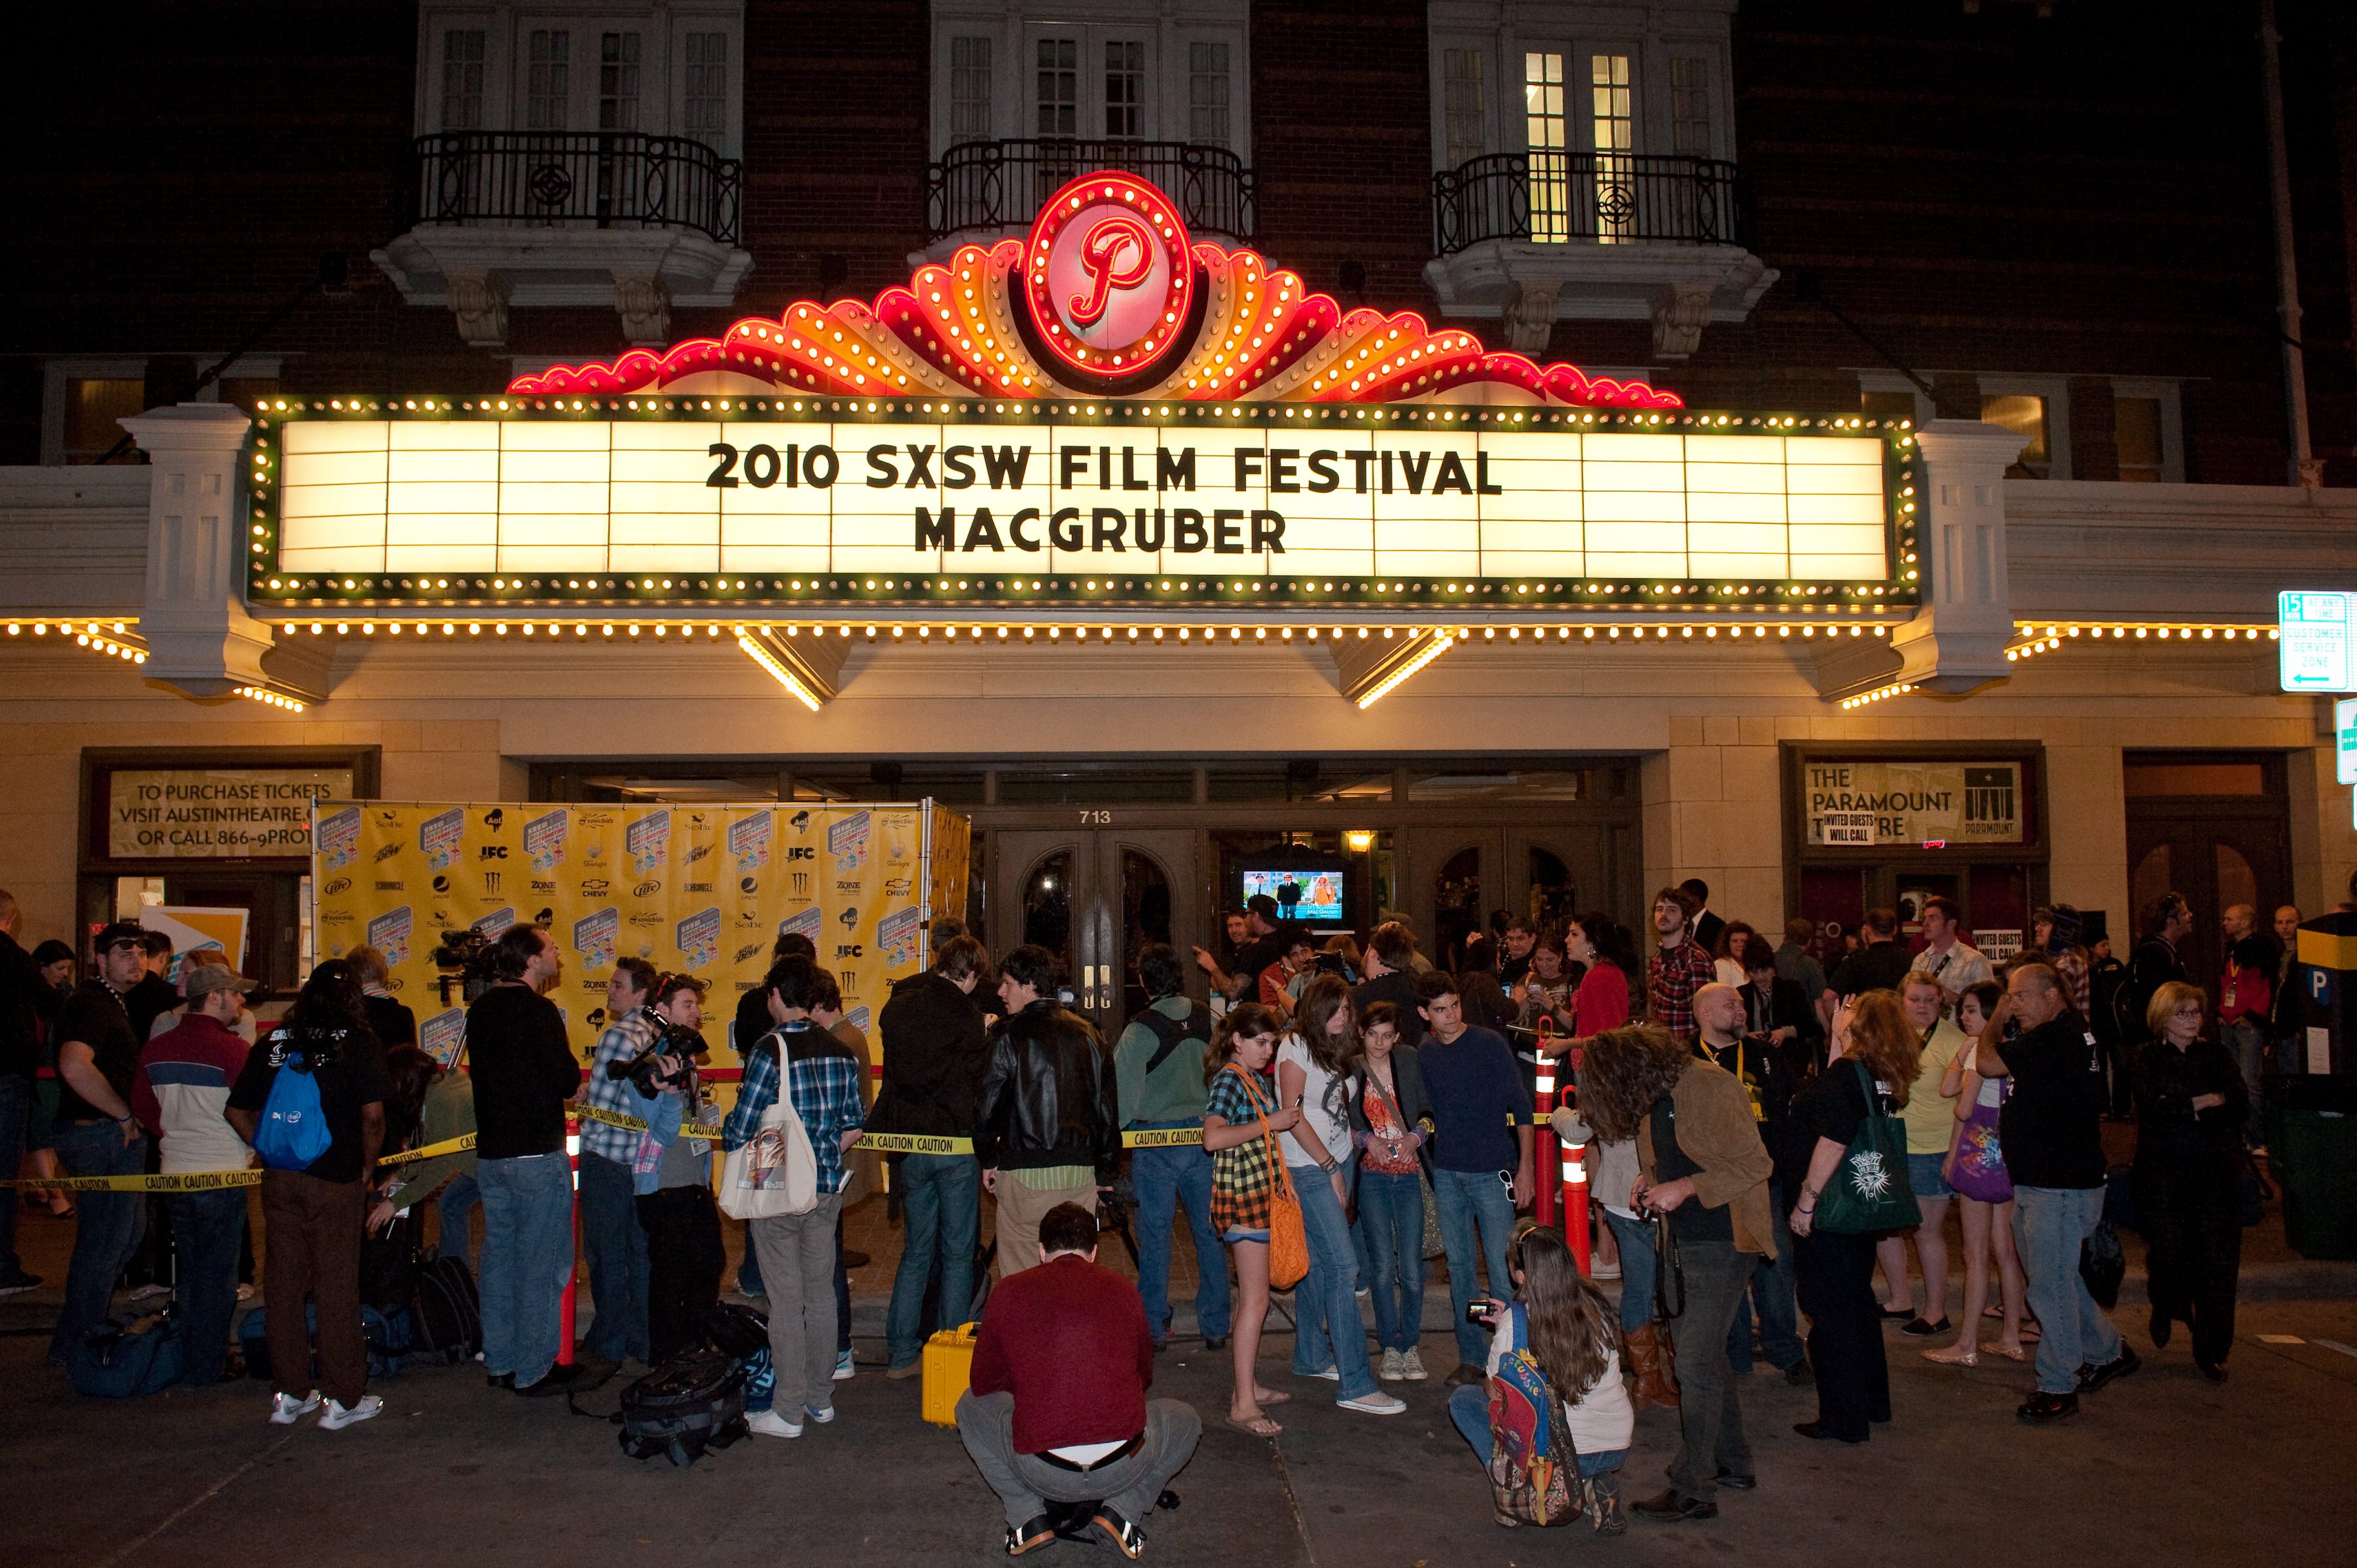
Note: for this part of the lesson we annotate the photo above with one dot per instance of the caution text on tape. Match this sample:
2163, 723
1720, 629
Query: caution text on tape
939, 1144
693, 1131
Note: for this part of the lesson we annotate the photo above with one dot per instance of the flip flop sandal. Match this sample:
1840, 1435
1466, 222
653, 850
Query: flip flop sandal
1275, 1396
1262, 1427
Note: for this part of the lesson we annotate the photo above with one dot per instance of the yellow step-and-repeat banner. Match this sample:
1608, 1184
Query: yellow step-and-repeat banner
699, 890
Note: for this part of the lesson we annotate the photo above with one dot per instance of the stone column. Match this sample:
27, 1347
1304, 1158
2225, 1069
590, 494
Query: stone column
1957, 639
200, 640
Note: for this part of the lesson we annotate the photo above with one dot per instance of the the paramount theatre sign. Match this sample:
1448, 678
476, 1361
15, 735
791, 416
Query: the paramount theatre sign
1103, 411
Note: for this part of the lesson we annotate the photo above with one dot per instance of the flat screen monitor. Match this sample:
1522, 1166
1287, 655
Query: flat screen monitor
1310, 897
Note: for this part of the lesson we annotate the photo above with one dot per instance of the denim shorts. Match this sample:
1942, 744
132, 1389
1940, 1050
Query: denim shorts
1923, 1176
1238, 1233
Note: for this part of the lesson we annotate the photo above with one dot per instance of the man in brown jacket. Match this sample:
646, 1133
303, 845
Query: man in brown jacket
1703, 1165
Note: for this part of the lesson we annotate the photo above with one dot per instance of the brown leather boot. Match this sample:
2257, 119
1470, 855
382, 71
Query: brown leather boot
1649, 1359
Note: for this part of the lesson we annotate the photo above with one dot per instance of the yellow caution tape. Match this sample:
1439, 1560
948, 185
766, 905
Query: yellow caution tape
446, 1146
915, 1143
693, 1132
186, 1181
937, 1144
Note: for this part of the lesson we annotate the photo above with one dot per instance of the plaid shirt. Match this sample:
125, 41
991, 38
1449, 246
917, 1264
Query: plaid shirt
823, 1080
1672, 977
624, 1038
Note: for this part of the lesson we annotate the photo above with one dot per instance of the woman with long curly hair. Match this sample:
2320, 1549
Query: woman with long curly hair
1611, 1105
1836, 1270
1702, 1166
1317, 1069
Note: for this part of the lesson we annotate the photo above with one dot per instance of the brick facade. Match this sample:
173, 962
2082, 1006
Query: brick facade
2079, 194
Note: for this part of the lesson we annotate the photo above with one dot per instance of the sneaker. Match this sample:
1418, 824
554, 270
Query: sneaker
1023, 1538
816, 1414
1375, 1403
769, 1423
1128, 1539
285, 1409
338, 1417
1391, 1370
906, 1370
843, 1370
20, 1283
1411, 1366
1604, 1504
147, 1293
2041, 1408
1329, 1374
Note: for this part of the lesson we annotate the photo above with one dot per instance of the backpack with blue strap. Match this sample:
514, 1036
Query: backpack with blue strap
293, 1131
1533, 1467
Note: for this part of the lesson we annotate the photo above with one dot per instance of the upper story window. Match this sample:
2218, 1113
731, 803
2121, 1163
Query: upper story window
1133, 70
670, 68
1648, 78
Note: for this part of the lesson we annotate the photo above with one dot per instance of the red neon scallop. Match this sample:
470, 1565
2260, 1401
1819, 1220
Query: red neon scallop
1108, 276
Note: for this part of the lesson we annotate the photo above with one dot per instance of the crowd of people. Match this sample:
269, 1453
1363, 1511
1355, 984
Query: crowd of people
1763, 1135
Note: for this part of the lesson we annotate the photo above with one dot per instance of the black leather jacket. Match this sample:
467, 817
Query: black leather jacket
1048, 1095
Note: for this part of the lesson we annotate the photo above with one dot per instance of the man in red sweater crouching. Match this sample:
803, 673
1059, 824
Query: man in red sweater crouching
1058, 1412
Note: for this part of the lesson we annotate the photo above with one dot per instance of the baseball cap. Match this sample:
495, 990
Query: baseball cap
205, 977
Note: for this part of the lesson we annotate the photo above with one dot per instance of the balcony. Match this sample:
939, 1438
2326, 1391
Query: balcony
1536, 238
545, 218
982, 191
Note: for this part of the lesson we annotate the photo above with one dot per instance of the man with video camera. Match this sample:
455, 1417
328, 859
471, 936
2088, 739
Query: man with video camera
611, 1238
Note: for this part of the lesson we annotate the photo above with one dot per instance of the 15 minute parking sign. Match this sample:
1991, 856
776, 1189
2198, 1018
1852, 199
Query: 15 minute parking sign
2315, 646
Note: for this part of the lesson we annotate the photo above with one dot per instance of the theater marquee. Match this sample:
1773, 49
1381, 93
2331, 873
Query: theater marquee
1104, 412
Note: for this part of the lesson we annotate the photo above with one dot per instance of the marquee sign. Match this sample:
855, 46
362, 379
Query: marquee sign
1106, 412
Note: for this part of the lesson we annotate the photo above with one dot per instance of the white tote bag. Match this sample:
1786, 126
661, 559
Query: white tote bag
777, 1171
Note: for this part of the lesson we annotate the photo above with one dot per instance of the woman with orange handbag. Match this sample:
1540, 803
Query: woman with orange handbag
1250, 1197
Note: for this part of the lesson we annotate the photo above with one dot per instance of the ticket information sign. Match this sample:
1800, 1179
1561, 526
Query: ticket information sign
216, 813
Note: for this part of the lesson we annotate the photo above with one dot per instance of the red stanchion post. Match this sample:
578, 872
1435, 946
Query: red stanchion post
1543, 1141
565, 1308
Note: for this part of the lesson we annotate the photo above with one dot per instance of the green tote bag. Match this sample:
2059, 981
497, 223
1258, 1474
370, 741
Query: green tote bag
1869, 1191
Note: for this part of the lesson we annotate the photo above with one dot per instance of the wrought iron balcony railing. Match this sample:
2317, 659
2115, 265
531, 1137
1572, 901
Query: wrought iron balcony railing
1589, 199
591, 179
996, 186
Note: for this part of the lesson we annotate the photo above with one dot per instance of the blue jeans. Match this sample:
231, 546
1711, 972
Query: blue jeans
527, 1259
208, 1229
107, 1231
1637, 1264
456, 1238
1327, 1333
1391, 1217
2049, 1225
941, 1196
1772, 1295
1167, 1180
15, 1109
748, 1273
1467, 1198
614, 1244
1468, 1407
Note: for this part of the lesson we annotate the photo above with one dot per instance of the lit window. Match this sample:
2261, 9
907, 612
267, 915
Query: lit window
547, 80
1058, 94
1690, 107
2135, 428
462, 78
1463, 113
706, 104
1543, 133
1207, 95
617, 81
970, 89
1612, 124
2025, 415
93, 404
1124, 90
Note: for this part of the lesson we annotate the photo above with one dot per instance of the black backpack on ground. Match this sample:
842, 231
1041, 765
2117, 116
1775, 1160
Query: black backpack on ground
684, 1407
447, 1321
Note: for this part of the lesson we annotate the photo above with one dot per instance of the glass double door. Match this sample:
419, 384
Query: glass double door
1094, 897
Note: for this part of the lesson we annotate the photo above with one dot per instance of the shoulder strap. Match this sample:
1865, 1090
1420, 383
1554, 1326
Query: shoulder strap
1173, 1032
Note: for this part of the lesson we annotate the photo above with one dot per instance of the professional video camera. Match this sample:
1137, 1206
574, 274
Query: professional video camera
646, 1070
465, 959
